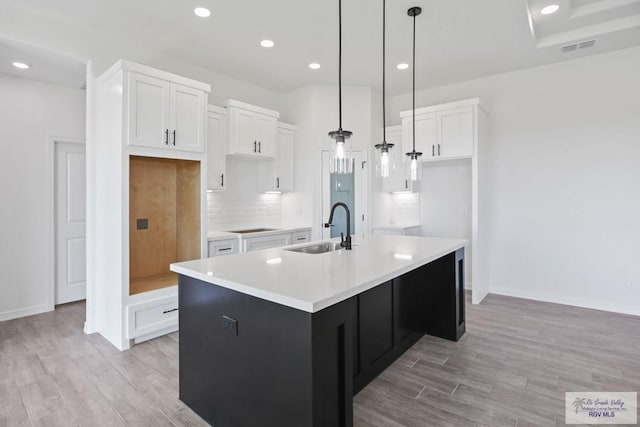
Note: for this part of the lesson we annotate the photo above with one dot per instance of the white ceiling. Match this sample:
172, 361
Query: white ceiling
457, 40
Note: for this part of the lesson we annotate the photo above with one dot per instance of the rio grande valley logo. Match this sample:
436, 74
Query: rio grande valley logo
601, 407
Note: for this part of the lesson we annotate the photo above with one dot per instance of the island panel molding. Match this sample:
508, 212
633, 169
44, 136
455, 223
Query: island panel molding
296, 368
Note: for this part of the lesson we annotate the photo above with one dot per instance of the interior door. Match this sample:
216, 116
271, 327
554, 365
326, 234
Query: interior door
350, 189
148, 111
70, 201
187, 115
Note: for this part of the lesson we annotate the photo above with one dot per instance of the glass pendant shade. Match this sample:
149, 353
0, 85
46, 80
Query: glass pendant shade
385, 160
342, 154
414, 167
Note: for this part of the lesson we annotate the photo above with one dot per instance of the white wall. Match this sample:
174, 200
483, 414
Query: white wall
564, 178
31, 113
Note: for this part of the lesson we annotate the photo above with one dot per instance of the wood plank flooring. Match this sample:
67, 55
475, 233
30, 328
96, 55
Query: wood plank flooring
510, 369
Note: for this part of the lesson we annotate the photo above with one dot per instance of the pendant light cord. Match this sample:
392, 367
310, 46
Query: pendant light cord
414, 83
384, 108
340, 62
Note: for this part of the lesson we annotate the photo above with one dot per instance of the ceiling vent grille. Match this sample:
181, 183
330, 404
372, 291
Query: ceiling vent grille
580, 45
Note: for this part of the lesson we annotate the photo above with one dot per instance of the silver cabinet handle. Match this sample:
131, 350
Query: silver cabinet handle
302, 238
406, 183
259, 146
174, 137
433, 150
169, 311
222, 180
277, 182
438, 149
255, 146
224, 249
166, 136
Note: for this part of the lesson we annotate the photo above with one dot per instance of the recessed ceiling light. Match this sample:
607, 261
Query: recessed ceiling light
21, 65
402, 66
202, 12
314, 66
548, 10
267, 43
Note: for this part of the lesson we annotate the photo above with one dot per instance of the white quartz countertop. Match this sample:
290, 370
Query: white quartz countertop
311, 282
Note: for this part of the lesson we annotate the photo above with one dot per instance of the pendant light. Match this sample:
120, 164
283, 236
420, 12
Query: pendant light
342, 161
415, 169
385, 163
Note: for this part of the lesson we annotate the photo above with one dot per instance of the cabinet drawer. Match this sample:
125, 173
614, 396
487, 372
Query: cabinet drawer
266, 242
223, 247
300, 237
152, 316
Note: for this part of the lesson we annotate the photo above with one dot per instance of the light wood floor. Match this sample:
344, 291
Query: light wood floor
510, 369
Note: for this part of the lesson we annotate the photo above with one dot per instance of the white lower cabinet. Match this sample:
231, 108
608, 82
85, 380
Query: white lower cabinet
223, 247
300, 237
265, 242
153, 318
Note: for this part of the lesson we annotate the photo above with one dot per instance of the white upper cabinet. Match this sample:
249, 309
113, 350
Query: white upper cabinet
285, 158
149, 111
252, 130
443, 132
165, 114
188, 118
426, 135
456, 132
397, 180
278, 174
216, 148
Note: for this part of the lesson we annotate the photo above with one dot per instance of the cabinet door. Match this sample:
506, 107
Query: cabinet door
265, 242
187, 130
242, 132
397, 180
376, 324
456, 132
216, 151
284, 160
223, 247
266, 133
148, 111
426, 135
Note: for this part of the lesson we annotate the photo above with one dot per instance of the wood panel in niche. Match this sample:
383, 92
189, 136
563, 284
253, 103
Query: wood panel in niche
164, 219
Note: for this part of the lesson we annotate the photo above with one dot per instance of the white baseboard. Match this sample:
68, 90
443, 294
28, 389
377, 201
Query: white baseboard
23, 312
575, 302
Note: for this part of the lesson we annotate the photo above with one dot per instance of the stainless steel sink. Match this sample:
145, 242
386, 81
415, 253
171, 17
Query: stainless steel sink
317, 248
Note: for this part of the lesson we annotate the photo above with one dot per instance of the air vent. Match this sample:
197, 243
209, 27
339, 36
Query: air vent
580, 45
569, 48
587, 43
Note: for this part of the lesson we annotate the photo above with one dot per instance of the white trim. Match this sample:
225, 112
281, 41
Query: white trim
129, 66
559, 299
440, 107
23, 312
248, 107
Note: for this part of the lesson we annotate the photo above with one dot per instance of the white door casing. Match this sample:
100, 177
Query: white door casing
70, 222
360, 189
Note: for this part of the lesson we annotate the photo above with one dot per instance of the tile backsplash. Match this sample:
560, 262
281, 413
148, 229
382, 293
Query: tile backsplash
242, 204
405, 209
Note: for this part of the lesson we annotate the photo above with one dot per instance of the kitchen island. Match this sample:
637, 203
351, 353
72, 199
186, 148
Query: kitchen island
278, 337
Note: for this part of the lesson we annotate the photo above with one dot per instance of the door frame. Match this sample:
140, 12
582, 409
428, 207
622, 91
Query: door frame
51, 194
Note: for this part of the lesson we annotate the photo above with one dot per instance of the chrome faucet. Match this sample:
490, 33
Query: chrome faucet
344, 242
